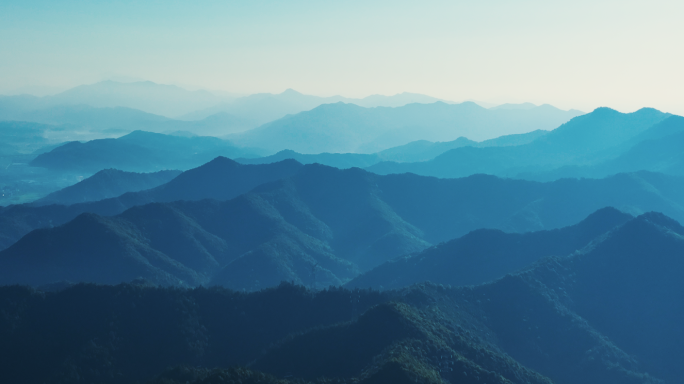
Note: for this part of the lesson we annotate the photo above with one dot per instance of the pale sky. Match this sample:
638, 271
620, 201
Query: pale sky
572, 54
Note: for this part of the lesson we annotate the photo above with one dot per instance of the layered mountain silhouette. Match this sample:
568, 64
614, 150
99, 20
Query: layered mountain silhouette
585, 140
485, 254
107, 184
221, 179
571, 319
75, 119
415, 151
657, 149
344, 128
608, 312
318, 225
265, 107
158, 99
138, 151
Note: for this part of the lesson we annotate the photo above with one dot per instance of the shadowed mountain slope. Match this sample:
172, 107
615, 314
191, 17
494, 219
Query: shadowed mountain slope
106, 184
572, 319
608, 313
90, 248
221, 179
109, 334
485, 254
323, 225
171, 244
625, 286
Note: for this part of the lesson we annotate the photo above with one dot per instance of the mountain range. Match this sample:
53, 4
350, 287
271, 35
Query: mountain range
592, 139
312, 224
421, 150
262, 108
110, 107
220, 179
657, 149
106, 184
146, 96
485, 255
341, 127
608, 312
138, 151
164, 236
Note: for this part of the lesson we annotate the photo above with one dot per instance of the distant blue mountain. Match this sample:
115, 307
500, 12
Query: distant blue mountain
658, 149
266, 107
485, 255
138, 151
296, 217
106, 184
344, 128
414, 151
585, 140
158, 99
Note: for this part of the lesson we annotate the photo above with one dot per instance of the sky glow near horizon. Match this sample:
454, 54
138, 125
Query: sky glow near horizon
572, 54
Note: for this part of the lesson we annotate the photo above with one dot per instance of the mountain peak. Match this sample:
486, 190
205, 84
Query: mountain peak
216, 165
291, 92
661, 220
606, 215
603, 110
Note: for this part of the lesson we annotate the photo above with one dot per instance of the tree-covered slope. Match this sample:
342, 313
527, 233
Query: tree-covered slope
608, 313
485, 254
221, 178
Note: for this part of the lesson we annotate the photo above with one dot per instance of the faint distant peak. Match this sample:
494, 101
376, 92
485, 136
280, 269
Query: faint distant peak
470, 104
291, 92
649, 111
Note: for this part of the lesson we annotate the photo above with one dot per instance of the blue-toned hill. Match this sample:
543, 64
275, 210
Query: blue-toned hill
138, 151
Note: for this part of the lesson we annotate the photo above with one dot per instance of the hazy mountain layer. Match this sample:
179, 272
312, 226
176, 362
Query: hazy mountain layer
657, 149
585, 140
349, 128
265, 107
138, 151
425, 150
415, 151
608, 313
106, 184
159, 99
165, 100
